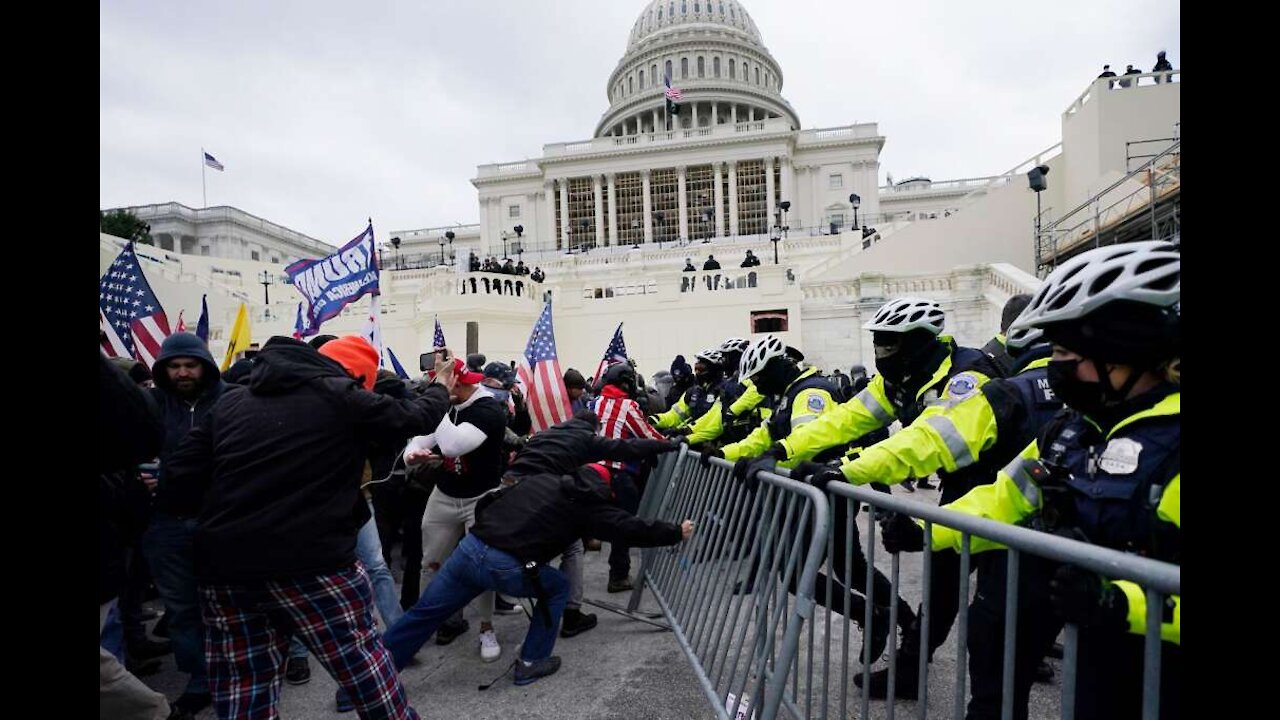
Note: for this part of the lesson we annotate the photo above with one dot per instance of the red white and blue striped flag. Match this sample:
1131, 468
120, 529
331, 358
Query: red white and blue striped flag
212, 162
539, 371
616, 352
437, 342
672, 93
129, 313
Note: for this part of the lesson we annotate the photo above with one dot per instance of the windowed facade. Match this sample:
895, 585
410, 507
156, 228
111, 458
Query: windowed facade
764, 321
254, 254
641, 79
631, 84
684, 67
668, 68
732, 75
715, 67
702, 66
513, 211
835, 181
757, 74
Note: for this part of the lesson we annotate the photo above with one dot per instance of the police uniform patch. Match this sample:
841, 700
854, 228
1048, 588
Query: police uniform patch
1120, 456
816, 403
962, 386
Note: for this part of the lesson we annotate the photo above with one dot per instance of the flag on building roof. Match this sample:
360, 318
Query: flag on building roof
616, 352
212, 162
539, 371
129, 313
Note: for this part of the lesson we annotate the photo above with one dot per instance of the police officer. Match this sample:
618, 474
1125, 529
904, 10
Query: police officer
708, 379
1105, 470
983, 428
995, 347
740, 407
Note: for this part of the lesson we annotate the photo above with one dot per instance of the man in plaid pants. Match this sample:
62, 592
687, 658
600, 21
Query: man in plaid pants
275, 469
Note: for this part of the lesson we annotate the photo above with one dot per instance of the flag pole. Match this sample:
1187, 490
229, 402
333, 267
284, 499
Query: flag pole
204, 189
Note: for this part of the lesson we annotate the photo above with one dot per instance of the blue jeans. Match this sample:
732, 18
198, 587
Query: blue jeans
112, 636
472, 569
168, 547
385, 598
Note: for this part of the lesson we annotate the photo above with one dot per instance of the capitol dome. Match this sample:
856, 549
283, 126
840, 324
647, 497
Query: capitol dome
715, 57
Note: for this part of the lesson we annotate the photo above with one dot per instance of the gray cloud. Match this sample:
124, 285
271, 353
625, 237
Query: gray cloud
326, 112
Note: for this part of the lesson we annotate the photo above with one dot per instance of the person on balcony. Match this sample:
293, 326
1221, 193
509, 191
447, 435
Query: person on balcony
538, 276
711, 263
1129, 70
750, 260
688, 265
1162, 64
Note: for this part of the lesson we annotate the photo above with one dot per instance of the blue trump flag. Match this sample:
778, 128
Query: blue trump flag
331, 283
395, 364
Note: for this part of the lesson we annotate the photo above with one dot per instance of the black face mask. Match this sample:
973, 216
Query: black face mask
1087, 397
708, 378
914, 357
775, 377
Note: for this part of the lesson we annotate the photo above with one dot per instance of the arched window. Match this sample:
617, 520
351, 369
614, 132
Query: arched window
653, 74
757, 74
732, 75
684, 7
721, 8
668, 68
702, 66
631, 84
684, 67
641, 79
746, 75
659, 14
697, 7
671, 11
715, 66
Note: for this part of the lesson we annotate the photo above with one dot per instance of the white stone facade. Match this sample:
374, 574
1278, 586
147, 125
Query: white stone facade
225, 232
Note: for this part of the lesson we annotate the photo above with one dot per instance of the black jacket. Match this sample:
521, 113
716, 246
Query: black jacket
536, 519
180, 415
562, 449
129, 432
275, 467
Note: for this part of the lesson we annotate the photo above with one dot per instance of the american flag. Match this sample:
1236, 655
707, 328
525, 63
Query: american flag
540, 372
616, 352
672, 93
212, 162
437, 342
129, 312
182, 326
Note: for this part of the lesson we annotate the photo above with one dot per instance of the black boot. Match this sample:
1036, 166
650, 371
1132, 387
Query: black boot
576, 622
878, 638
907, 677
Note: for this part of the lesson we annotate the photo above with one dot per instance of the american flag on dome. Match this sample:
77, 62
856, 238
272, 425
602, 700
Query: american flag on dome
539, 371
129, 313
616, 352
672, 92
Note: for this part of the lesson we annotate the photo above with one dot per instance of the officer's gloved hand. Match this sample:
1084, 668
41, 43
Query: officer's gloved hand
816, 474
900, 534
1082, 597
707, 453
747, 470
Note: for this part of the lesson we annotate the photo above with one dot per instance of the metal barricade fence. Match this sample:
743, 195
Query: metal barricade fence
738, 593
1157, 579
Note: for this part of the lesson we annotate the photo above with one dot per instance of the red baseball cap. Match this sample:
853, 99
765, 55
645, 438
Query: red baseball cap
464, 374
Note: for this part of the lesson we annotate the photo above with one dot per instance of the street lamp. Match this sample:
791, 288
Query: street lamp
395, 243
855, 201
450, 236
1035, 178
519, 234
707, 214
584, 244
266, 279
659, 217
635, 234
785, 205
441, 251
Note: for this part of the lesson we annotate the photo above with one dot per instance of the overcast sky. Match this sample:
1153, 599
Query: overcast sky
325, 112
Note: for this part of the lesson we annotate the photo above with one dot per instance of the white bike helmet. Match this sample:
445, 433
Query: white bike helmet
715, 357
1148, 272
1022, 337
906, 314
759, 354
735, 344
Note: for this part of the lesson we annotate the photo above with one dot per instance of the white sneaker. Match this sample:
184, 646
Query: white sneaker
490, 650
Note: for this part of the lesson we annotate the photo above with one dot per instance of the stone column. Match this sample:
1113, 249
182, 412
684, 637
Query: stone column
684, 204
599, 200
719, 201
564, 213
733, 113
648, 208
547, 235
815, 203
715, 114
613, 209
657, 127
733, 197
784, 164
770, 205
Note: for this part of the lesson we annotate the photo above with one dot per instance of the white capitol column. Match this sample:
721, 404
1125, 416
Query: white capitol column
564, 213
547, 235
613, 209
599, 199
770, 205
684, 204
719, 201
733, 197
648, 209
785, 171
814, 203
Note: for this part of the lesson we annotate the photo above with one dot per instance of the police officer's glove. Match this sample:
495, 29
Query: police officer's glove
707, 453
816, 474
1082, 597
900, 534
746, 470
657, 447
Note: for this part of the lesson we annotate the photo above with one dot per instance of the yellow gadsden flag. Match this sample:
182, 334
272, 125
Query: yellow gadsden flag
239, 337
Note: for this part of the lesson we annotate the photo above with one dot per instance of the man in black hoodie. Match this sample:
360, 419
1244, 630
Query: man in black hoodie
187, 384
548, 501
274, 470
